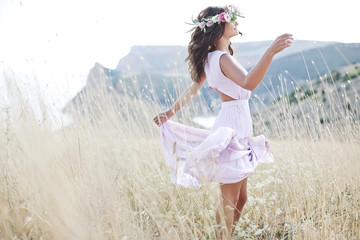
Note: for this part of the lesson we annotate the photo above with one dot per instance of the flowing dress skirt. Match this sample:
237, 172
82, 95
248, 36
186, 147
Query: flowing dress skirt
227, 153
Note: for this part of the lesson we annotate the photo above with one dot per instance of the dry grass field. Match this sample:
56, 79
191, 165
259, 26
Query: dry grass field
103, 176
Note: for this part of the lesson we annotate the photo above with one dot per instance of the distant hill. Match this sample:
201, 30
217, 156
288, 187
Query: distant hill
170, 59
329, 99
307, 65
161, 70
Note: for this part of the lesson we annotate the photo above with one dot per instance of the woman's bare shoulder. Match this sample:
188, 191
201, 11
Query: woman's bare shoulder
229, 63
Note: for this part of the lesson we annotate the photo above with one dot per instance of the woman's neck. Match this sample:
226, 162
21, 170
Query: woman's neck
222, 44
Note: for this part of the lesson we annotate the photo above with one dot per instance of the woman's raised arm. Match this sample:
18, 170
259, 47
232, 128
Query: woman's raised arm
256, 75
189, 93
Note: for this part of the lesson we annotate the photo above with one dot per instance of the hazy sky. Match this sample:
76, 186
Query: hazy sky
83, 32
57, 42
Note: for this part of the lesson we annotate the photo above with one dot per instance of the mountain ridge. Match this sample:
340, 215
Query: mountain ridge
141, 57
165, 64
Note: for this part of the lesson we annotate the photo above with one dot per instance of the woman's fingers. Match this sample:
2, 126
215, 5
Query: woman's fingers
156, 119
160, 118
286, 35
281, 42
285, 39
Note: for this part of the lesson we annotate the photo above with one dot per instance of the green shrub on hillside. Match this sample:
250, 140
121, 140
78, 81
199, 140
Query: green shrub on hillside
351, 76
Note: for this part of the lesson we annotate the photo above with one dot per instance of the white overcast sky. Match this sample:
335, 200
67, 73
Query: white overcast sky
56, 42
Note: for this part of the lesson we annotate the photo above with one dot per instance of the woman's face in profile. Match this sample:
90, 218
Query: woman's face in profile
231, 29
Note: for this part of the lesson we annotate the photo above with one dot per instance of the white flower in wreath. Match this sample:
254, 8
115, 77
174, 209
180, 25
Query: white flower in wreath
215, 19
209, 23
227, 17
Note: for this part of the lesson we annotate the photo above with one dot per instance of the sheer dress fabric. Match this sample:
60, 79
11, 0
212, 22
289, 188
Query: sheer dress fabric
226, 153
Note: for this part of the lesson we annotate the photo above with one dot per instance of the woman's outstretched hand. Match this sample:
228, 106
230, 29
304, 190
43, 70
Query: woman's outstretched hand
161, 118
280, 43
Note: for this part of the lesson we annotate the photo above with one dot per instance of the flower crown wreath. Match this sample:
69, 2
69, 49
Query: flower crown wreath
229, 15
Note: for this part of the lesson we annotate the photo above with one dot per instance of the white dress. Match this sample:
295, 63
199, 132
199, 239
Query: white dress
228, 152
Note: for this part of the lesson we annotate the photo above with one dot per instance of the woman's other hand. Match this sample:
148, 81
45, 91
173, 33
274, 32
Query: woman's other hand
280, 43
162, 117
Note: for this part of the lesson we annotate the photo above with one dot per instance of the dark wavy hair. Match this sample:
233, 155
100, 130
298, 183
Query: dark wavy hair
202, 43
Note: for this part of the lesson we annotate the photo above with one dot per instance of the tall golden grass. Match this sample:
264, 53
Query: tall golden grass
104, 177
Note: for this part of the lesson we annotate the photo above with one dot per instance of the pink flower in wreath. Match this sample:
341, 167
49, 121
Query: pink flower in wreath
201, 25
222, 17
233, 7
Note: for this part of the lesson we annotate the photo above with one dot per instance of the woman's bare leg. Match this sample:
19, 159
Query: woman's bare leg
241, 201
228, 202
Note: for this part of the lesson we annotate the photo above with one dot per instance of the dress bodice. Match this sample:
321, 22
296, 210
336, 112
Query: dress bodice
217, 80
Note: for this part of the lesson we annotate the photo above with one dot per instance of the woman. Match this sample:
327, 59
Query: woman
227, 153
